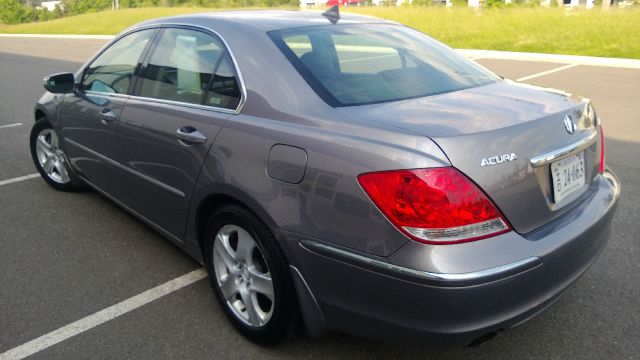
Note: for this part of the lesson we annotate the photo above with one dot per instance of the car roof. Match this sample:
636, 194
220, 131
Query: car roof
265, 20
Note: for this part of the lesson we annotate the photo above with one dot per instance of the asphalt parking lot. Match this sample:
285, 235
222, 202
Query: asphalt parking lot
64, 257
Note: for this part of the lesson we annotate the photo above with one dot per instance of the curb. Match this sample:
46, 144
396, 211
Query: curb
59, 36
564, 59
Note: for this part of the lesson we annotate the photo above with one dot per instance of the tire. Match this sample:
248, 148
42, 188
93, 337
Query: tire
238, 271
46, 152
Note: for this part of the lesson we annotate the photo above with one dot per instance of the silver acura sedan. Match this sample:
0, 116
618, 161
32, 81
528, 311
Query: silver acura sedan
348, 172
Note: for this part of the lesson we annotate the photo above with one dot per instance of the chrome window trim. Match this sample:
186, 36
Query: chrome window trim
107, 94
438, 279
243, 89
563, 152
183, 104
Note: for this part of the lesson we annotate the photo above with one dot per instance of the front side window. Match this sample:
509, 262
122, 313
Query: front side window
112, 71
191, 67
366, 64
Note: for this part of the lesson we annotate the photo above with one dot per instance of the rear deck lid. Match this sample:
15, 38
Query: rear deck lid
508, 138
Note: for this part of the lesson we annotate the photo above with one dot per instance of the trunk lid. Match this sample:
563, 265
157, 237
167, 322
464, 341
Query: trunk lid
492, 133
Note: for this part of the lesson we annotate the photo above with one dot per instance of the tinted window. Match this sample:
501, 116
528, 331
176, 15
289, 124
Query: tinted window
224, 91
181, 67
299, 44
113, 70
365, 64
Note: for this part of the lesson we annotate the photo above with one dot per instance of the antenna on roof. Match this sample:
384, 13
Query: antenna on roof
333, 14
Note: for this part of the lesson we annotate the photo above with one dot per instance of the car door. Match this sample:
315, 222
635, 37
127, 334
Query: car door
89, 116
186, 91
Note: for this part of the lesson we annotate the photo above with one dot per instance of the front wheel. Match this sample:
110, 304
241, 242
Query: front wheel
249, 275
50, 159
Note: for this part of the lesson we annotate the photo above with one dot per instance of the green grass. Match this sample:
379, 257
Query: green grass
614, 33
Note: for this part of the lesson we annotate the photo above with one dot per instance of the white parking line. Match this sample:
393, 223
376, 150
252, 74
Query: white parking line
565, 67
101, 317
18, 179
554, 58
367, 58
10, 125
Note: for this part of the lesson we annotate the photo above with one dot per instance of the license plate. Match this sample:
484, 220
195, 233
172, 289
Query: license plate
568, 176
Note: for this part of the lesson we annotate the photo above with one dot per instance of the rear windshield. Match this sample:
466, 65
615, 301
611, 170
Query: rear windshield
366, 64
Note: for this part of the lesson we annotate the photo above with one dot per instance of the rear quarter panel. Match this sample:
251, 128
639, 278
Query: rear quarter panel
328, 204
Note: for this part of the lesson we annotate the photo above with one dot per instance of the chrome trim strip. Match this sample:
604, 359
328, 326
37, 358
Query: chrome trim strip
142, 176
565, 151
442, 279
178, 103
243, 89
106, 94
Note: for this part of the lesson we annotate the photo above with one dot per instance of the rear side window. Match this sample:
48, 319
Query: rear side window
112, 71
224, 90
366, 64
182, 67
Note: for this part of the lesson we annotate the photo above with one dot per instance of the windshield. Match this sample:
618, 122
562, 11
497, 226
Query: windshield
366, 64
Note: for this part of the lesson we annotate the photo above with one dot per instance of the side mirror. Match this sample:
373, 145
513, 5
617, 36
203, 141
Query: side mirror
59, 83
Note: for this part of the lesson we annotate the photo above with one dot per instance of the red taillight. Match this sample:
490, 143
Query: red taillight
435, 206
601, 150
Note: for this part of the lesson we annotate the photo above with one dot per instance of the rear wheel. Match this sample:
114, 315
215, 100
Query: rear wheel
50, 159
250, 275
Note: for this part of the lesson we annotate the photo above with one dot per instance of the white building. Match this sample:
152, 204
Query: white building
51, 5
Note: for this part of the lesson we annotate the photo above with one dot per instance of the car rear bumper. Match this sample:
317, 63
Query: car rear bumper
453, 293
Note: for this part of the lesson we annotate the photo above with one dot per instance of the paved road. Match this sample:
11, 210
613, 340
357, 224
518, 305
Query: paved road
67, 256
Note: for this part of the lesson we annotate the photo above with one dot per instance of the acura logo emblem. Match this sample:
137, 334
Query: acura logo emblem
569, 124
499, 159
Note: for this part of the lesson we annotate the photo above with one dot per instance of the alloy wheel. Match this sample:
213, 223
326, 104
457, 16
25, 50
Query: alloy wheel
50, 157
242, 275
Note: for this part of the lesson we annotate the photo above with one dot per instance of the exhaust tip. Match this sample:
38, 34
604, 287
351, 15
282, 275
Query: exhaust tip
482, 339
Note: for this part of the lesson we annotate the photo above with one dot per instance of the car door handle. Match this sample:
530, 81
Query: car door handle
107, 115
191, 135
